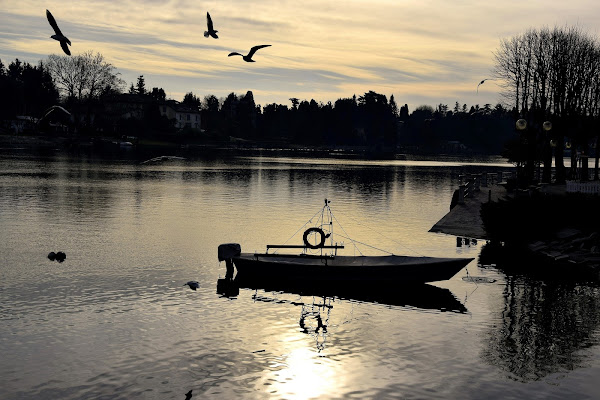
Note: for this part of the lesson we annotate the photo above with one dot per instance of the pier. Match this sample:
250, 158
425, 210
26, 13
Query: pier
464, 217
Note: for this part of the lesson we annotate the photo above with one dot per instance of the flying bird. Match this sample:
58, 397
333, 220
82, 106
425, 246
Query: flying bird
193, 285
58, 34
480, 83
248, 57
210, 32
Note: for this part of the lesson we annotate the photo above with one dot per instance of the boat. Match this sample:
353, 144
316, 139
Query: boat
318, 262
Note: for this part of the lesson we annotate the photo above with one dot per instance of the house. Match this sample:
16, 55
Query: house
184, 116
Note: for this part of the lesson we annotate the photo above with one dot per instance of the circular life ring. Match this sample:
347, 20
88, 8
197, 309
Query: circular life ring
315, 230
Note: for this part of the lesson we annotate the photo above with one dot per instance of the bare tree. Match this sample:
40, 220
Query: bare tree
552, 75
84, 76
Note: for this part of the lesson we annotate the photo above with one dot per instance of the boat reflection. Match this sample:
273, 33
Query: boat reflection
423, 296
314, 319
546, 321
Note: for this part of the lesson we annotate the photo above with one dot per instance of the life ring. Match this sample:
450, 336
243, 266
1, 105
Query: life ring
315, 230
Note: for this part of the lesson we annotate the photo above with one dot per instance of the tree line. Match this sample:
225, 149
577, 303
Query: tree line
85, 84
552, 75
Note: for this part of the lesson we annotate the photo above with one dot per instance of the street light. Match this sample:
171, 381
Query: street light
547, 152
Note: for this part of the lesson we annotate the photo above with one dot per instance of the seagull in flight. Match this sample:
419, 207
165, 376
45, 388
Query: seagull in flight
58, 34
248, 57
193, 285
210, 32
480, 83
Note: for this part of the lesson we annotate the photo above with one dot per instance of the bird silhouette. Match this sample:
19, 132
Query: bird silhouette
58, 34
188, 395
193, 285
480, 83
60, 256
210, 32
248, 57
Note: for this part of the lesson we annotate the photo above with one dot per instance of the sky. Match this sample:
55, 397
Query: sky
424, 52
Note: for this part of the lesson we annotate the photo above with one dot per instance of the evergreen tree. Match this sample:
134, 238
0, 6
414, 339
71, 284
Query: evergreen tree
393, 106
140, 87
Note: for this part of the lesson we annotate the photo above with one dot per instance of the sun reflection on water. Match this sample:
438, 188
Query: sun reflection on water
305, 374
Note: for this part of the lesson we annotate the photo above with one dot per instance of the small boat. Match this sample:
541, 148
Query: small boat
326, 267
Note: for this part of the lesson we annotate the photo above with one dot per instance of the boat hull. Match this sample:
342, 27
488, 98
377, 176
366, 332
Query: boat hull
361, 269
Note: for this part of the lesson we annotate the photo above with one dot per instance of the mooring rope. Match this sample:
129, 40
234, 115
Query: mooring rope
472, 280
302, 227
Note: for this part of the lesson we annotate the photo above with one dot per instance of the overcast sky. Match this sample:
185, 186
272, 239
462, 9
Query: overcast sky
422, 52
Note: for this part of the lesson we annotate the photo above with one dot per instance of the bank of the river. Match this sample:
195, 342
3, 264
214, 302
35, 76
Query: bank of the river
546, 222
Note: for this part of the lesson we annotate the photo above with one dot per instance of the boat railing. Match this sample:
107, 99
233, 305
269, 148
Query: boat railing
304, 247
316, 256
301, 246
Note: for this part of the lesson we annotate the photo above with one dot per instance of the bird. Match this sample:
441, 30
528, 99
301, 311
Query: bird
60, 256
188, 395
248, 57
480, 83
52, 256
58, 34
193, 285
210, 32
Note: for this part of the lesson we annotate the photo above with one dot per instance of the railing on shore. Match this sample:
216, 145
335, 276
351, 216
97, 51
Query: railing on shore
591, 187
469, 184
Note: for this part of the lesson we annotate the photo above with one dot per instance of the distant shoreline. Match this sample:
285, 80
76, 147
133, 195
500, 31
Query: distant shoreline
148, 147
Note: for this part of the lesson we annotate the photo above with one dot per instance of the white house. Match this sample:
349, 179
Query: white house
183, 115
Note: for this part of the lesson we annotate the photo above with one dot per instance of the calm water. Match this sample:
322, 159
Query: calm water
114, 321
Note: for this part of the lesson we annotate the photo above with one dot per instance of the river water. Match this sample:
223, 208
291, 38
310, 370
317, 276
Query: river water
116, 321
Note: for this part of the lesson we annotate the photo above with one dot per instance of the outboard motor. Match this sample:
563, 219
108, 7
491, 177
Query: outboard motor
227, 286
226, 252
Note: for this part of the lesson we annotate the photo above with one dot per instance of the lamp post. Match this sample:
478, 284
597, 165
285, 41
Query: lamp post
527, 175
548, 149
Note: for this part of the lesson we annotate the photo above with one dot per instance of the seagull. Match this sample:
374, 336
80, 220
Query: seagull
58, 34
487, 79
248, 57
193, 285
210, 31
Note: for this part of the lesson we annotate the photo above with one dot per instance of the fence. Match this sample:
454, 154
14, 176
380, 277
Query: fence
592, 187
471, 183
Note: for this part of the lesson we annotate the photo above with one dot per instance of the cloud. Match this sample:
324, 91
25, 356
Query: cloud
427, 50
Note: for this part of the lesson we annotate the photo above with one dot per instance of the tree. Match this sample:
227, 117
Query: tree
26, 89
140, 87
404, 112
158, 94
552, 75
192, 101
210, 113
84, 76
393, 106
